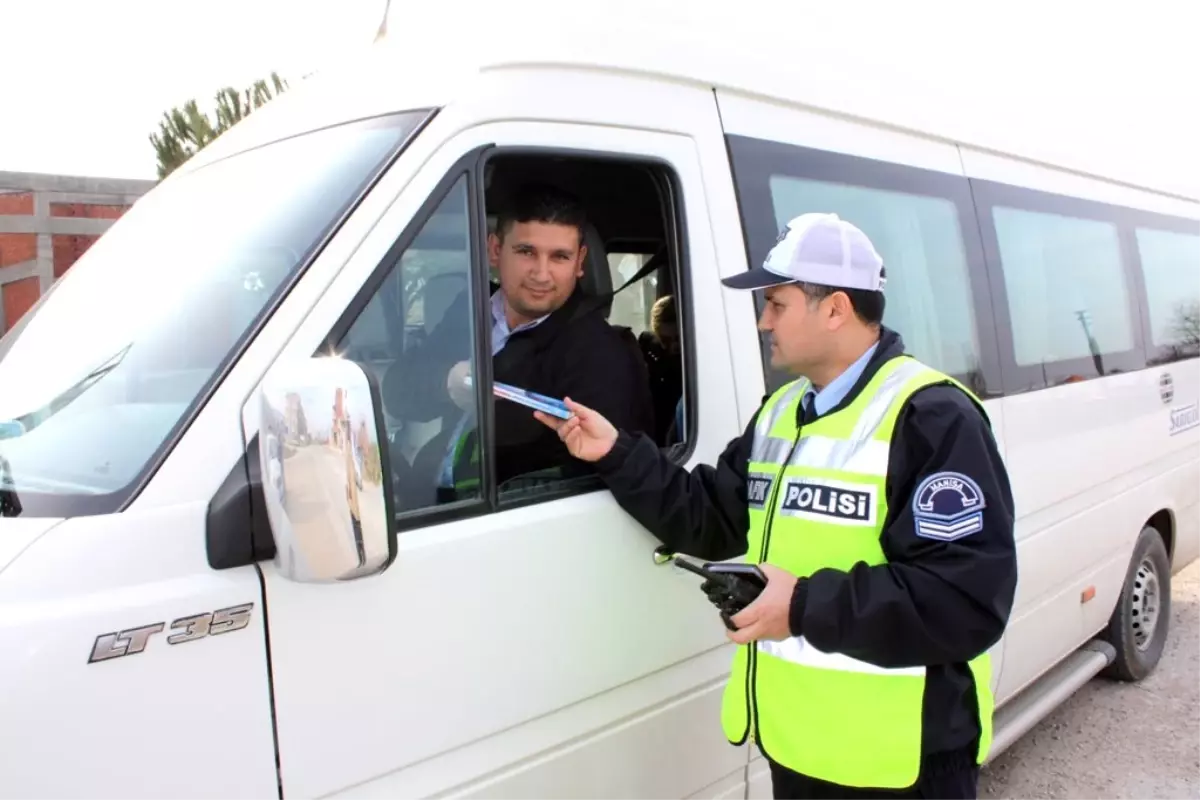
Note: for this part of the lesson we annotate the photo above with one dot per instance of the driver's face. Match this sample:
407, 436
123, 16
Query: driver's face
539, 264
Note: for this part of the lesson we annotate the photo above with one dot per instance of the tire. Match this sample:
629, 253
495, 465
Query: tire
1141, 620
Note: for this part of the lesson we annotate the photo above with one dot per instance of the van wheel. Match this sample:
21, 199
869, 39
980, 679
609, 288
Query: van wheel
1138, 626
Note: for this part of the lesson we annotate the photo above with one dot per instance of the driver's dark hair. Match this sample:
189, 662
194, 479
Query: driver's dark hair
541, 202
868, 306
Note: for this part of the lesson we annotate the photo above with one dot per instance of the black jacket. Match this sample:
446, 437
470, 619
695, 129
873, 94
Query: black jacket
570, 354
935, 603
573, 353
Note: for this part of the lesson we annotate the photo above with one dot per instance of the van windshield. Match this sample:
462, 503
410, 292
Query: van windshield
98, 377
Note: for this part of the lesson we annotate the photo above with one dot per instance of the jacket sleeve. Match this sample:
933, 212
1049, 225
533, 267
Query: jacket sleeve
946, 591
701, 513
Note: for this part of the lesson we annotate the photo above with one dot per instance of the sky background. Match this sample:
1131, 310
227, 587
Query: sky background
84, 82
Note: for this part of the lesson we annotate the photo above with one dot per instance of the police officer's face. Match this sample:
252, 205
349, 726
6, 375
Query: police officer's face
799, 333
539, 264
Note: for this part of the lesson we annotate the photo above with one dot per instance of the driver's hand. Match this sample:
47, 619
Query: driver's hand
461, 394
587, 435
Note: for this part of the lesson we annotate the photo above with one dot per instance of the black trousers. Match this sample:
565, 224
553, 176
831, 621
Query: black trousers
961, 783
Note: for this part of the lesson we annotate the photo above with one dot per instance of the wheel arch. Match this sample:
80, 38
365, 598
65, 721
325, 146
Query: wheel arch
1163, 521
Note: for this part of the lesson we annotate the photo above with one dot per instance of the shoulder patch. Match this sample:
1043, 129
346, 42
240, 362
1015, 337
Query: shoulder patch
948, 506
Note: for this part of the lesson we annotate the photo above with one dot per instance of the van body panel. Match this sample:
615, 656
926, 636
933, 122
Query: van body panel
189, 719
19, 534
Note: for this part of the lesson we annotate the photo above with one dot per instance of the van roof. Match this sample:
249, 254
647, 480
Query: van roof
822, 57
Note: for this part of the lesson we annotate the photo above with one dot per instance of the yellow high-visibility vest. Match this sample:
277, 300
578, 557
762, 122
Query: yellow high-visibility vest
818, 500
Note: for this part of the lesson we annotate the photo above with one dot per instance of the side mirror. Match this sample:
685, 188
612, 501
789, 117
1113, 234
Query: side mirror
325, 476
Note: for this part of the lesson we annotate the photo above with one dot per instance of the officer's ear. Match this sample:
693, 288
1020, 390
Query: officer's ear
839, 308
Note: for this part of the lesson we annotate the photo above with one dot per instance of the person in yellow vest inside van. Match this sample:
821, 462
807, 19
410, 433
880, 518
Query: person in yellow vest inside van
871, 493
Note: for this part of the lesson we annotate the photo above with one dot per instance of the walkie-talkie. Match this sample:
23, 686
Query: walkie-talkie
730, 587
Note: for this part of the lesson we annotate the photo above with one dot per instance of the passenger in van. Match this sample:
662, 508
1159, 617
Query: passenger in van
660, 348
547, 334
871, 494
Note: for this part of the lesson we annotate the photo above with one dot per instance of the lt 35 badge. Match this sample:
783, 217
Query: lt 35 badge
190, 629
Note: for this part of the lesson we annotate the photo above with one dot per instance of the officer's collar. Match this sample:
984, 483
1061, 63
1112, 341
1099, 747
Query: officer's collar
889, 346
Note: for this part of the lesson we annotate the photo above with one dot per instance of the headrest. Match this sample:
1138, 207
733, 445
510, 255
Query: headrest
440, 291
597, 277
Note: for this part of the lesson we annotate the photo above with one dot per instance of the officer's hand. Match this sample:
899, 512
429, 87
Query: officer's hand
587, 435
767, 616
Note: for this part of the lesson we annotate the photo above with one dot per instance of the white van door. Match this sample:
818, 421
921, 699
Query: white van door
531, 649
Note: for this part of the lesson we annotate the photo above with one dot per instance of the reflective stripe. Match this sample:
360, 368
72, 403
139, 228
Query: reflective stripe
860, 452
875, 411
799, 650
868, 457
767, 421
766, 448
770, 450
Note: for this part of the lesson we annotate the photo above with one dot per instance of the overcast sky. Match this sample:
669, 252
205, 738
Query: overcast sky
84, 82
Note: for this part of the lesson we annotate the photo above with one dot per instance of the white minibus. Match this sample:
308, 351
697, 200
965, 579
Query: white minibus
222, 571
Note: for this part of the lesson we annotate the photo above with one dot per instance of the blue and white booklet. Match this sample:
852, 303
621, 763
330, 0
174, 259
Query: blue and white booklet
539, 402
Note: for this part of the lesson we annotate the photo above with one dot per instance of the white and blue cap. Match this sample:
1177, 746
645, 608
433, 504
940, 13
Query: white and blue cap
818, 248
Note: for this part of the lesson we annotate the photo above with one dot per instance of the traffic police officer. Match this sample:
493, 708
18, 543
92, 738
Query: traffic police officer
872, 495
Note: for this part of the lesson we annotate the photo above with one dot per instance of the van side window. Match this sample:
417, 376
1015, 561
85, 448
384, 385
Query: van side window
928, 285
1066, 286
632, 308
922, 223
1171, 269
649, 309
414, 328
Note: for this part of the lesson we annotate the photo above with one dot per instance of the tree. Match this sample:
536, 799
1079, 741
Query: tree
184, 131
1186, 324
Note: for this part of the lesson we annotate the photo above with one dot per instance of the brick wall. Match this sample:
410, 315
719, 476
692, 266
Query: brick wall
67, 250
46, 223
16, 202
16, 248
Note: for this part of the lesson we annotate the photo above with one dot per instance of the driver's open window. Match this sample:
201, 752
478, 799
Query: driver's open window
539, 283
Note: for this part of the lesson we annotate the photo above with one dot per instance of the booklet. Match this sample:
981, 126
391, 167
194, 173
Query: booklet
555, 408
540, 402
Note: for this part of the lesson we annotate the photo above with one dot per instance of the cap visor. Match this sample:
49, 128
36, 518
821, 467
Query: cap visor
757, 278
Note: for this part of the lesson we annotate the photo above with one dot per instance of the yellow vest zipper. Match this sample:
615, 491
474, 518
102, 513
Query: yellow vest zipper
752, 661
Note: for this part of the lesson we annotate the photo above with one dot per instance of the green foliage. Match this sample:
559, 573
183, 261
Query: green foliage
184, 131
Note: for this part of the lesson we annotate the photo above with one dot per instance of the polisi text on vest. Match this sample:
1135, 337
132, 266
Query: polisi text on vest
839, 502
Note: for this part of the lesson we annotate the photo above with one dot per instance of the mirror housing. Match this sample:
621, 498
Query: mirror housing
325, 476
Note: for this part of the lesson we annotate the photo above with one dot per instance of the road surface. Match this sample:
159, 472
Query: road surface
1114, 740
316, 505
